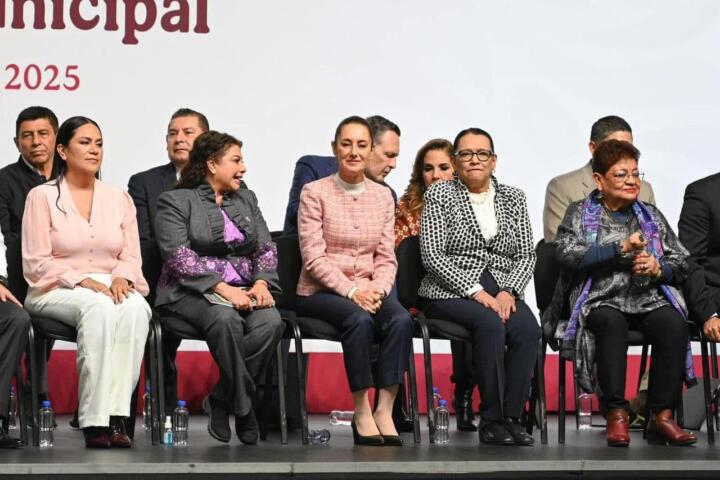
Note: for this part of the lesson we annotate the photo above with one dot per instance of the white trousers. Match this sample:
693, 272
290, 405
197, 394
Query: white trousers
110, 345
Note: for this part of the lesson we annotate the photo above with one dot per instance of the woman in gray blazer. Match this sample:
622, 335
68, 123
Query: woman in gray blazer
477, 247
219, 268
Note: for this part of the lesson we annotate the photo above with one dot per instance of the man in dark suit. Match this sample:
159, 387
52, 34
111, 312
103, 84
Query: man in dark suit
145, 188
35, 132
699, 231
386, 148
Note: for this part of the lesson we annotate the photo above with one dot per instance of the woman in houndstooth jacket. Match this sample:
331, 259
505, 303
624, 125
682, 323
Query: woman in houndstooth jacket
477, 247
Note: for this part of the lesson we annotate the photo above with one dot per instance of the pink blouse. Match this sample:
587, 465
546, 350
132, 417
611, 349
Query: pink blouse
60, 247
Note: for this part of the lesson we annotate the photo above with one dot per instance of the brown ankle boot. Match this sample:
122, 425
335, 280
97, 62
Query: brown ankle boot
662, 429
617, 428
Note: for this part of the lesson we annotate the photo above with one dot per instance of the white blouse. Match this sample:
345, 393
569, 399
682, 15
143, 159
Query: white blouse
483, 205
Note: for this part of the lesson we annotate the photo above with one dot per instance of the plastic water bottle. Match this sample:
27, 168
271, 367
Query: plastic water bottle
319, 437
180, 425
442, 424
340, 417
584, 410
12, 410
47, 420
435, 402
168, 432
147, 410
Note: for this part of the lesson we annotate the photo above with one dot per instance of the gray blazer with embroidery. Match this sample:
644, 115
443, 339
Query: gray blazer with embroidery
190, 218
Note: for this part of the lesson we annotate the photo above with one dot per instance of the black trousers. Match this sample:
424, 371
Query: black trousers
391, 326
667, 333
503, 354
241, 343
14, 325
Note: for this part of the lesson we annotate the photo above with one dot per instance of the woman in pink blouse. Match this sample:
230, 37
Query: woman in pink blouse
345, 228
81, 259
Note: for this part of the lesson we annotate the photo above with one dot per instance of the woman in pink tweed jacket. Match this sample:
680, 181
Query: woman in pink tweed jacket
345, 227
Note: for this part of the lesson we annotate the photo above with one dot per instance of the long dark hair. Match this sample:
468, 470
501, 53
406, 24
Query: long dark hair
415, 190
65, 133
209, 145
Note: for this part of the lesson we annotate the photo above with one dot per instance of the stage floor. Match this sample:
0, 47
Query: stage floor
584, 454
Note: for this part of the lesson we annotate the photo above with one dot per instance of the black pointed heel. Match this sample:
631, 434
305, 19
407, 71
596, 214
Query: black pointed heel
369, 440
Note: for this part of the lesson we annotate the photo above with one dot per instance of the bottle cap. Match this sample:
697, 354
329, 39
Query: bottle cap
181, 403
46, 404
436, 390
443, 403
168, 422
12, 389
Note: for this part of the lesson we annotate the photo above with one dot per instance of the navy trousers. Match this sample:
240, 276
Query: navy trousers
391, 327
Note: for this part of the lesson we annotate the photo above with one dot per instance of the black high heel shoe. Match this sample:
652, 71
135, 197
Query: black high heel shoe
369, 440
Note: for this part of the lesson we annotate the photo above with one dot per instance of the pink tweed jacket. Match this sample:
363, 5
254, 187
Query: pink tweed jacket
346, 240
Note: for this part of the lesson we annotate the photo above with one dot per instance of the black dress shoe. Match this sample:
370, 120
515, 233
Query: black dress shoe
495, 433
247, 429
218, 420
463, 403
118, 437
401, 419
518, 432
6, 441
369, 440
75, 421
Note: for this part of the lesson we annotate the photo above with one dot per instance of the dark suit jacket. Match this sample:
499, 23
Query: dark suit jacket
16, 180
699, 231
145, 188
307, 169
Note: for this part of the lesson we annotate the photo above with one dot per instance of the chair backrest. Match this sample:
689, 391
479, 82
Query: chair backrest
410, 271
547, 273
289, 267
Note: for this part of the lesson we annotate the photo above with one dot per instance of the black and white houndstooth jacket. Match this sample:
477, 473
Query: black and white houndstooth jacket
454, 252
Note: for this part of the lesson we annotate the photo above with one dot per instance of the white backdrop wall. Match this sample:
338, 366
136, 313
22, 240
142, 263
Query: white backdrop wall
280, 74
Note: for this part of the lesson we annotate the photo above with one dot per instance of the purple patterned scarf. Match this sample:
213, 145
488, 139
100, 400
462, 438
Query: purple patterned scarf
591, 214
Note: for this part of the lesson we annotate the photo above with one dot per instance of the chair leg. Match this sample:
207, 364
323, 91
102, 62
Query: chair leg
301, 383
643, 365
159, 394
713, 349
561, 399
576, 396
413, 395
540, 373
152, 376
267, 400
281, 393
428, 380
34, 377
22, 407
706, 392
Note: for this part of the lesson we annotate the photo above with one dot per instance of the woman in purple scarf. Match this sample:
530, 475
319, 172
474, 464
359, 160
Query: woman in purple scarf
623, 269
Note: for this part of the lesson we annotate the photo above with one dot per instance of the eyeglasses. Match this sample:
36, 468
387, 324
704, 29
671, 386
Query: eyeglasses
483, 156
621, 177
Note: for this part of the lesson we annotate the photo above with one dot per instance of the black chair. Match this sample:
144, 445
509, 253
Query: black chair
410, 274
289, 267
547, 274
184, 330
43, 329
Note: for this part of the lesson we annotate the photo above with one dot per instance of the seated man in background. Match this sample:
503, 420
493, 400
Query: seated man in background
699, 231
386, 148
576, 185
145, 188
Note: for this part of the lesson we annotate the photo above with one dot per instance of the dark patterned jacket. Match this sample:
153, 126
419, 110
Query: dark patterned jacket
454, 252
